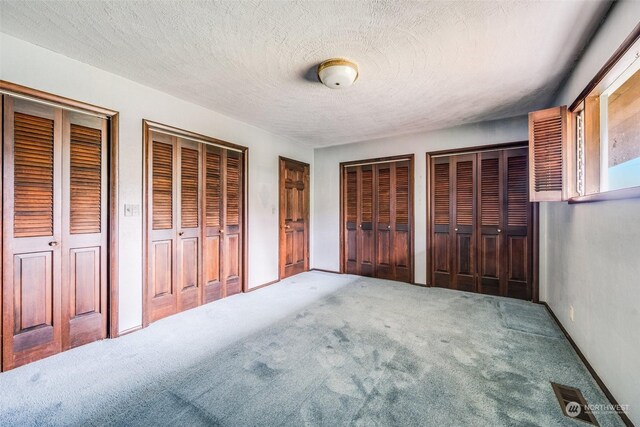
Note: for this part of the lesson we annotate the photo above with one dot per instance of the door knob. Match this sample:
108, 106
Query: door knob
499, 230
221, 230
360, 225
181, 233
456, 229
388, 227
287, 226
53, 244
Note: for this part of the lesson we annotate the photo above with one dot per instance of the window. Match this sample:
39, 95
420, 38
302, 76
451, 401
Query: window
606, 120
591, 151
620, 131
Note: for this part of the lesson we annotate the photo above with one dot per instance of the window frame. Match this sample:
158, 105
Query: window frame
586, 148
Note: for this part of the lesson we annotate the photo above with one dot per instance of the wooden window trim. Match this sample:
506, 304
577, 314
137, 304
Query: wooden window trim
619, 53
113, 116
592, 131
147, 127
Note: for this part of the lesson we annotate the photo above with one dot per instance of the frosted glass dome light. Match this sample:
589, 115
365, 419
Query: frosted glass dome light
337, 73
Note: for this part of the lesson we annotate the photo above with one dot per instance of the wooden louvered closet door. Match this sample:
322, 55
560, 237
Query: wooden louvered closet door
54, 230
481, 223
351, 183
401, 224
188, 240
505, 221
84, 229
195, 199
213, 229
232, 214
377, 201
442, 227
384, 180
517, 227
366, 222
163, 248
32, 232
464, 216
491, 209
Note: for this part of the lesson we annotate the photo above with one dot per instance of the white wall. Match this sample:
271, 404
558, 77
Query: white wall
591, 252
29, 65
326, 178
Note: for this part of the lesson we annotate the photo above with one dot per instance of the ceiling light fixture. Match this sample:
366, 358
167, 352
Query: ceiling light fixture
337, 73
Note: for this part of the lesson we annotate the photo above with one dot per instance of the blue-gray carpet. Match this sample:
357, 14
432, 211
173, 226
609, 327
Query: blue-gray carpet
367, 352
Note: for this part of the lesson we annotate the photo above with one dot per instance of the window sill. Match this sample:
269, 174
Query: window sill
625, 193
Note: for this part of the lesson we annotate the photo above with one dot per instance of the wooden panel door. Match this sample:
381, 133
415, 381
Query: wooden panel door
162, 246
491, 207
351, 196
366, 217
84, 229
517, 228
213, 231
188, 240
232, 228
441, 220
464, 216
504, 251
32, 232
385, 221
294, 217
402, 207
485, 195
378, 214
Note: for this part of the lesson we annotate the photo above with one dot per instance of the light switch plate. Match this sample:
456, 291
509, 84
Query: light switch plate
131, 210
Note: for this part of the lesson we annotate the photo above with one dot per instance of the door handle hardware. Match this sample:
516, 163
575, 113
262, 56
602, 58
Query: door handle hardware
221, 231
53, 244
455, 229
499, 230
388, 227
181, 233
360, 226
287, 226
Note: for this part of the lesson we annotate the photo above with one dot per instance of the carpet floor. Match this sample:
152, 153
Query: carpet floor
316, 349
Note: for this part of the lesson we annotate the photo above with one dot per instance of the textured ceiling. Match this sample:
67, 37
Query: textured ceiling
423, 65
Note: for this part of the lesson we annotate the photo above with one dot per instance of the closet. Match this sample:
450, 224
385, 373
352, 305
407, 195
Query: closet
54, 229
480, 221
377, 218
195, 202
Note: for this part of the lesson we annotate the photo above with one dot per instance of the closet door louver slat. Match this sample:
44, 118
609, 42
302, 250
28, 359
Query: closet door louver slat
33, 176
86, 179
162, 186
189, 186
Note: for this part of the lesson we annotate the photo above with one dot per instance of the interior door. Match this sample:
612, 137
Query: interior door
232, 227
401, 225
188, 239
32, 231
294, 217
351, 183
441, 229
517, 258
213, 283
491, 208
84, 229
365, 232
162, 249
464, 245
385, 182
